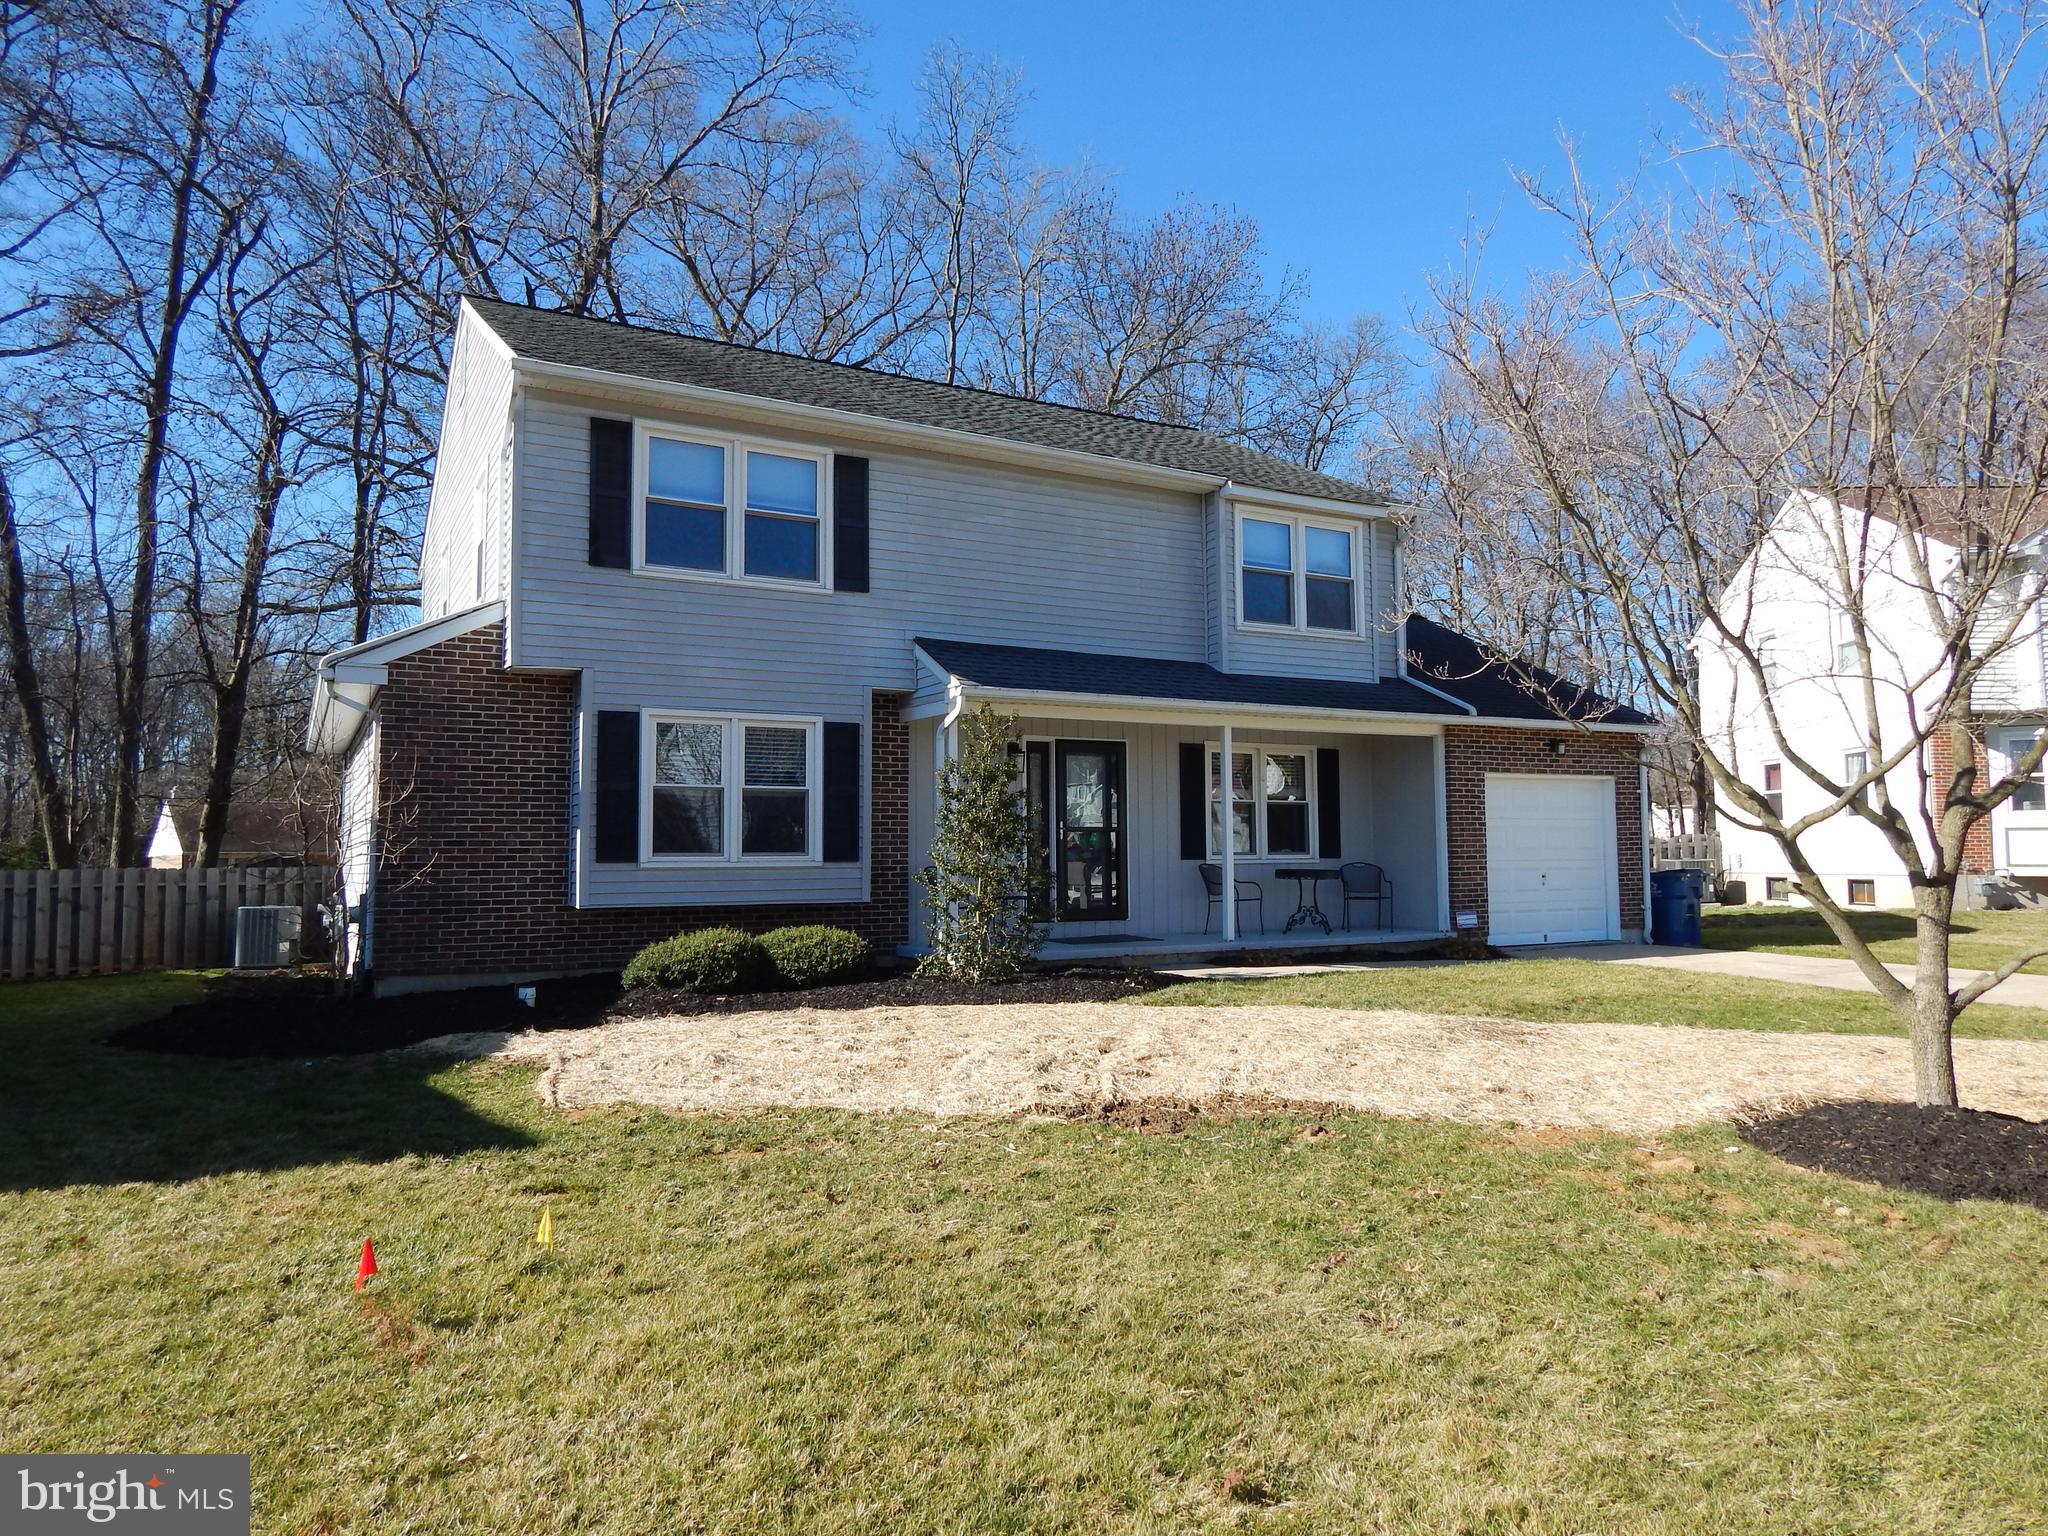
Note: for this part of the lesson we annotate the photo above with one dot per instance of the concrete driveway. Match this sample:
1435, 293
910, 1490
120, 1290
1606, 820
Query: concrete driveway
1802, 970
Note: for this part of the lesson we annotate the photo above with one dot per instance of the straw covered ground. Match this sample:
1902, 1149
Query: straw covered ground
1067, 1059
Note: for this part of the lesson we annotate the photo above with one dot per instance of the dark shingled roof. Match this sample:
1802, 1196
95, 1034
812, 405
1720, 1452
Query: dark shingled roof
1501, 689
553, 337
1029, 669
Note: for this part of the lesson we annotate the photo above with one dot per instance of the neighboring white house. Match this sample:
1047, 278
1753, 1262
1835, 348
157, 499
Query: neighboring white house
1789, 600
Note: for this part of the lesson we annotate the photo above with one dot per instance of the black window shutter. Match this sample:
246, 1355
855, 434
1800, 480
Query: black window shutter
617, 831
611, 492
849, 523
1329, 806
842, 792
1194, 802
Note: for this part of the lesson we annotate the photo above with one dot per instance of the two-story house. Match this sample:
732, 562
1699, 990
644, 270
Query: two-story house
1789, 600
700, 623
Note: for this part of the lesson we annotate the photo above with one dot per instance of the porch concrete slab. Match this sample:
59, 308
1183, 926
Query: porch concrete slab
1799, 970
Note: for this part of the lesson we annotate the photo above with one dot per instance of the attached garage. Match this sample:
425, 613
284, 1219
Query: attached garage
1552, 866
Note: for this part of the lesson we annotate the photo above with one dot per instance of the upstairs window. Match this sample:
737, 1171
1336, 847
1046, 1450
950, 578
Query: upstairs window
1767, 661
725, 507
685, 505
1854, 766
782, 517
1268, 572
1774, 788
1299, 574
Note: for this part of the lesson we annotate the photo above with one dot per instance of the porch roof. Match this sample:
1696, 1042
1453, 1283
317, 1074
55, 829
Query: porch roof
1031, 670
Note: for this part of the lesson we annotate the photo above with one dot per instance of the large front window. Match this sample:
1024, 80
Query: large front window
1270, 802
1297, 574
726, 787
725, 507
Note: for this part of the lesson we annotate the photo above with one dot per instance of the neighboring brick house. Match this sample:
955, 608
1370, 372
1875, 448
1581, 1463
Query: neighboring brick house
700, 623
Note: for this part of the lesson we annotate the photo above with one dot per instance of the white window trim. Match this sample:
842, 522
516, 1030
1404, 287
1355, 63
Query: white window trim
2012, 743
1259, 853
732, 776
736, 448
1297, 549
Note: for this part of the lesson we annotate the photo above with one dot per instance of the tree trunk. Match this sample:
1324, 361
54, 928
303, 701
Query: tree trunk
1934, 1013
53, 809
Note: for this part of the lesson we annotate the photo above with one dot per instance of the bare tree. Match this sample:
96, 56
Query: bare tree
1833, 304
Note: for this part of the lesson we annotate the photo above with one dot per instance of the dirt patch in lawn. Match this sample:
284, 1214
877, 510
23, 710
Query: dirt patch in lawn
299, 1013
1096, 1059
1166, 1117
1952, 1154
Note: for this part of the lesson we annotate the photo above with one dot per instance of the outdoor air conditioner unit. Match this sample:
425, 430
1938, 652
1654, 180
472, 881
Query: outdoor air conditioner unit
266, 937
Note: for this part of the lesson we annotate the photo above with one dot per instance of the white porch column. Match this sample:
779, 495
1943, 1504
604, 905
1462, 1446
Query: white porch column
1227, 836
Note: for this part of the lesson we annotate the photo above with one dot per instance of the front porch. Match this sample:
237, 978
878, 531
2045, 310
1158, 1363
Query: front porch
1109, 948
1131, 799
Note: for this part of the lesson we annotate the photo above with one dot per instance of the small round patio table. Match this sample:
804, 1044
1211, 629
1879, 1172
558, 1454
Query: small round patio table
1308, 912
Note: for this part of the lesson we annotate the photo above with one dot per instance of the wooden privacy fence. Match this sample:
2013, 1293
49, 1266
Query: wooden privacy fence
94, 922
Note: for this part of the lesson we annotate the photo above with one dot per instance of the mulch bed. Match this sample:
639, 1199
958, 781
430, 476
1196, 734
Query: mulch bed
903, 990
285, 1014
1952, 1154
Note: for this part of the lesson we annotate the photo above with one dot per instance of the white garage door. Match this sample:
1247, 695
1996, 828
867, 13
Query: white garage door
1551, 876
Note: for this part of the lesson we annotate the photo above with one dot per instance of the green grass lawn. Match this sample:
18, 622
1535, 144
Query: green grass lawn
1977, 940
1563, 991
816, 1322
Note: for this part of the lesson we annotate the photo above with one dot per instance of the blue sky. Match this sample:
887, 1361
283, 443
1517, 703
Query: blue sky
1363, 137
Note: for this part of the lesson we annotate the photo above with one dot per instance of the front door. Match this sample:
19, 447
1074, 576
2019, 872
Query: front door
1088, 831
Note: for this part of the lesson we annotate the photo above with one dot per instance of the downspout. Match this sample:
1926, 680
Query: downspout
1643, 789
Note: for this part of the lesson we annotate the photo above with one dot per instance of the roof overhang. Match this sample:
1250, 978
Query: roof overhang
960, 692
346, 687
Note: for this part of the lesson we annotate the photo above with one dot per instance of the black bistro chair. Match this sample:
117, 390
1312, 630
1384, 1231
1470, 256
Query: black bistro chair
1367, 882
1248, 892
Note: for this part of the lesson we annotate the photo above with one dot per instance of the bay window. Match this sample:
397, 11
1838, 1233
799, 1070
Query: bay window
722, 788
1297, 573
726, 507
1271, 809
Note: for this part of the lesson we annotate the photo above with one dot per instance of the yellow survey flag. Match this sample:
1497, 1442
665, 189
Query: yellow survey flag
545, 1233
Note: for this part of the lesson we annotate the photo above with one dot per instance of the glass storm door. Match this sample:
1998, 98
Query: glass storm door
1088, 845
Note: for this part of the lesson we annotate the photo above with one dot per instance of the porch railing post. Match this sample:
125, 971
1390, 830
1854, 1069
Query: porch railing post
1226, 834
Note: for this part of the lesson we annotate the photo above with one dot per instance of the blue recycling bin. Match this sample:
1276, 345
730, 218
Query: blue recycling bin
1675, 907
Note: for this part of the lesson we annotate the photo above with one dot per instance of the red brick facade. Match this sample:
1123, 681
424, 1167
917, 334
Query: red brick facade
1940, 765
1471, 752
473, 829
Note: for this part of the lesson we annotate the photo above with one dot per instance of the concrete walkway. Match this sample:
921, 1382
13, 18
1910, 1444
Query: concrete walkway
2021, 991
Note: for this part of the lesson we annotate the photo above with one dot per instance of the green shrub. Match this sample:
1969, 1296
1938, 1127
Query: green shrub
709, 960
817, 956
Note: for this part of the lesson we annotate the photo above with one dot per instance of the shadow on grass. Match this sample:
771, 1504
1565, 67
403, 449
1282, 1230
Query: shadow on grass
1952, 1154
74, 1110
1749, 930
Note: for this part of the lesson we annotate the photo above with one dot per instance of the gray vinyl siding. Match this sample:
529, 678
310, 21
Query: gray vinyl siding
1387, 783
1292, 654
473, 457
1389, 603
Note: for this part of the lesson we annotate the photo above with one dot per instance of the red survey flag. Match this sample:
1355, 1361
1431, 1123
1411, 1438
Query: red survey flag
369, 1265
